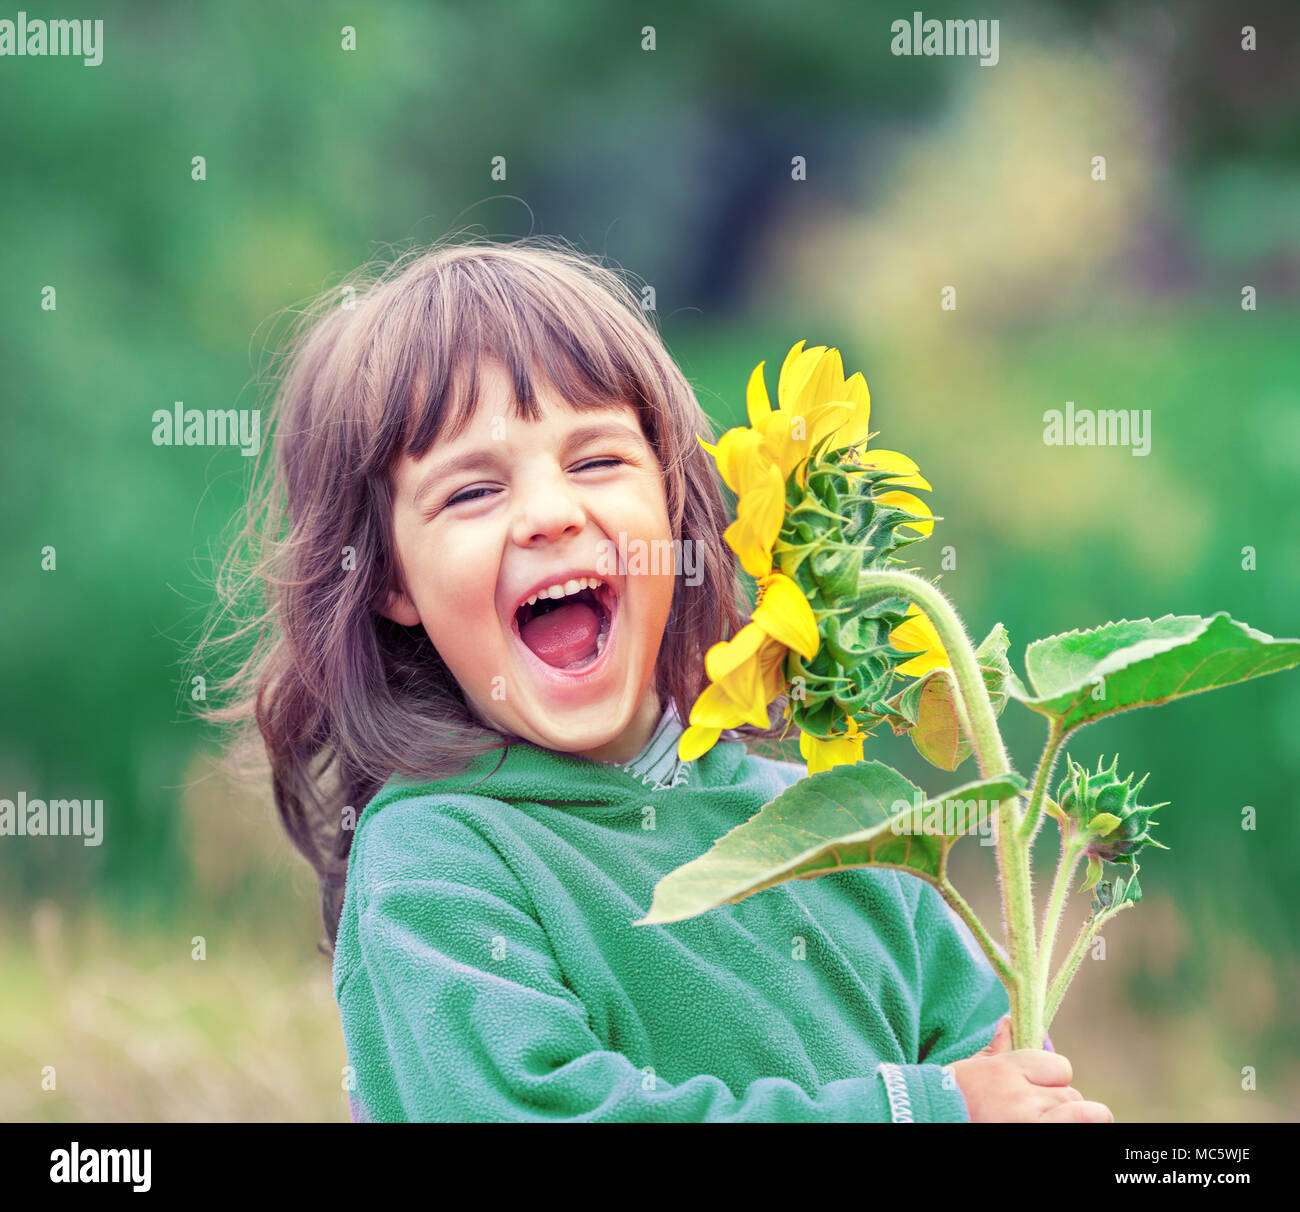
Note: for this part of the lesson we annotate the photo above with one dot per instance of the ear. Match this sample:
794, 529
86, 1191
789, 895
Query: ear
398, 607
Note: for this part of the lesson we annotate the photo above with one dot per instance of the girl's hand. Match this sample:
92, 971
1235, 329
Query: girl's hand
1022, 1086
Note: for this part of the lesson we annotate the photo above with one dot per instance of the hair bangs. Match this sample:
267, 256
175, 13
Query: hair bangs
534, 331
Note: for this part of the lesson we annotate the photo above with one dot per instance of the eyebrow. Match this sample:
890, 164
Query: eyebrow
483, 458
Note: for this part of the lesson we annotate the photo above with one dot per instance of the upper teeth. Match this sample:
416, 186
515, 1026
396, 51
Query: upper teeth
565, 589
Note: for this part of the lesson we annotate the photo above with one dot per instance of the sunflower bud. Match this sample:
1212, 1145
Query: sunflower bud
1108, 813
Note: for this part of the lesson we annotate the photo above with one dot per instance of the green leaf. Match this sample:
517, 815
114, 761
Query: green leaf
1094, 873
831, 821
926, 709
1081, 676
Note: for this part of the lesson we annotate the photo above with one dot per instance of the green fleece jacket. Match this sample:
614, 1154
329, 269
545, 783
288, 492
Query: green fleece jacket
486, 967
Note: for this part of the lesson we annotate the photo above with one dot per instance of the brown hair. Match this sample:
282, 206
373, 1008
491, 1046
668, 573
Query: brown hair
341, 697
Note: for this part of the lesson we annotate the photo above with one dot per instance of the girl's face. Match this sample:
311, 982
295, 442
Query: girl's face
511, 507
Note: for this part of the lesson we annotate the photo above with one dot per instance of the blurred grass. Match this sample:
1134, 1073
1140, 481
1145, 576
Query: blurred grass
110, 994
137, 1030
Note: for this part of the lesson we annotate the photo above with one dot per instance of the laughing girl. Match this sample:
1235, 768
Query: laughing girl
472, 705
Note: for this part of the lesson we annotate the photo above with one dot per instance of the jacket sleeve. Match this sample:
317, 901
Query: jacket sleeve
962, 995
478, 1023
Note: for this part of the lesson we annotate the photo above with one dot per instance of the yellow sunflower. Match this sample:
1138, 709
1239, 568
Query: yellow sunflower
747, 672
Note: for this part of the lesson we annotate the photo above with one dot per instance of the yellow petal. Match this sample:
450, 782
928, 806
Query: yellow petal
891, 460
827, 382
905, 500
857, 429
716, 709
751, 681
802, 379
725, 657
781, 442
760, 510
695, 741
749, 551
796, 351
919, 666
771, 659
790, 437
915, 628
748, 686
834, 366
855, 390
757, 405
820, 387
917, 634
738, 452
785, 615
823, 755
826, 419
746, 693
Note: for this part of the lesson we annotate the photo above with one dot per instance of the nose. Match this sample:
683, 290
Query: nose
547, 508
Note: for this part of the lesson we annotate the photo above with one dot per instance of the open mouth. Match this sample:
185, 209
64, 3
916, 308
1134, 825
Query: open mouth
568, 633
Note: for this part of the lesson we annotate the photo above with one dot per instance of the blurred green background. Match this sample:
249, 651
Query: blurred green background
676, 164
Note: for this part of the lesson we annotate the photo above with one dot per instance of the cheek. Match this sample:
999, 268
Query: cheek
461, 607
646, 510
454, 587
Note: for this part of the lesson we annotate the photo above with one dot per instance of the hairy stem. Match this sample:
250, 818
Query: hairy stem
1071, 851
991, 755
1070, 965
986, 740
967, 915
1055, 738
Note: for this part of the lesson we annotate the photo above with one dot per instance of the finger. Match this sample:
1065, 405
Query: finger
1044, 1068
1080, 1112
1001, 1041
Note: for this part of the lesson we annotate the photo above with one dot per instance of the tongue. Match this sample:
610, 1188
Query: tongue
563, 636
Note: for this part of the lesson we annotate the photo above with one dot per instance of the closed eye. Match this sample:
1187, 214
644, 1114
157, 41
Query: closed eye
473, 494
470, 494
